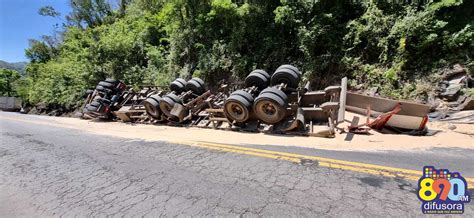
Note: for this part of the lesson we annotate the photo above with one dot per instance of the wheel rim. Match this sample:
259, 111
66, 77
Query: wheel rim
236, 111
166, 107
151, 110
269, 112
268, 109
282, 80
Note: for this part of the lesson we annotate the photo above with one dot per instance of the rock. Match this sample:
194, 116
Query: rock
41, 107
461, 99
437, 115
452, 92
470, 82
433, 102
458, 80
372, 91
77, 114
451, 126
455, 71
468, 104
460, 117
453, 104
359, 87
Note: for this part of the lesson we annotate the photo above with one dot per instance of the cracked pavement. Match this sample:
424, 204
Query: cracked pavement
53, 171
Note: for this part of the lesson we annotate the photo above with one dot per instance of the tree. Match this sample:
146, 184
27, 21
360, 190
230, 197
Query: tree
39, 51
8, 79
48, 11
89, 13
393, 46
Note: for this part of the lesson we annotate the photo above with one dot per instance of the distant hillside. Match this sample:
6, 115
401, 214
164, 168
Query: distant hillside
18, 66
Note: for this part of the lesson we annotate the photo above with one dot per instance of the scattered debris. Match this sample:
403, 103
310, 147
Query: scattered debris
465, 117
451, 126
390, 115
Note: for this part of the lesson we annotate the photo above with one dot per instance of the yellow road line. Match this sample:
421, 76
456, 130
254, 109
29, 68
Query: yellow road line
324, 162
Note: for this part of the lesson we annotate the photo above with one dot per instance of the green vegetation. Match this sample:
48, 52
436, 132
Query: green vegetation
8, 80
399, 48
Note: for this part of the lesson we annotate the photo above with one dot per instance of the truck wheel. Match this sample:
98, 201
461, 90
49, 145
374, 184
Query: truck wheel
269, 108
91, 108
200, 81
106, 85
291, 67
195, 86
178, 85
110, 80
152, 106
255, 78
103, 89
276, 91
244, 94
263, 72
95, 103
167, 103
174, 97
286, 76
236, 108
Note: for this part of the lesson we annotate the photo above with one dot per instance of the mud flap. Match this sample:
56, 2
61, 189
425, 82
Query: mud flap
297, 124
179, 111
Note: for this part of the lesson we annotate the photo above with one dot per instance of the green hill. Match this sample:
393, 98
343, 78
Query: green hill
17, 66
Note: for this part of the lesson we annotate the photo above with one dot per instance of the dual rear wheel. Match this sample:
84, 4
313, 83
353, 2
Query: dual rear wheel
152, 106
156, 105
270, 106
238, 105
286, 74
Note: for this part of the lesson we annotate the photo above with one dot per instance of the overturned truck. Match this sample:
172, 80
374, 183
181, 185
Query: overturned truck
270, 104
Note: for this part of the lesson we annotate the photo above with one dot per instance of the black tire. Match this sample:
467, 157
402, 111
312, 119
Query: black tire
277, 92
104, 101
287, 76
152, 106
103, 89
177, 87
291, 67
85, 110
182, 81
95, 103
156, 97
91, 107
194, 86
106, 85
244, 94
269, 108
256, 79
263, 72
173, 97
91, 113
166, 105
237, 108
200, 81
110, 80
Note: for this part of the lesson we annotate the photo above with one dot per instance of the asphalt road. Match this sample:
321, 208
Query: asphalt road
52, 171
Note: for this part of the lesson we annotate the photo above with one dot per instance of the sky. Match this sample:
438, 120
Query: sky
20, 21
